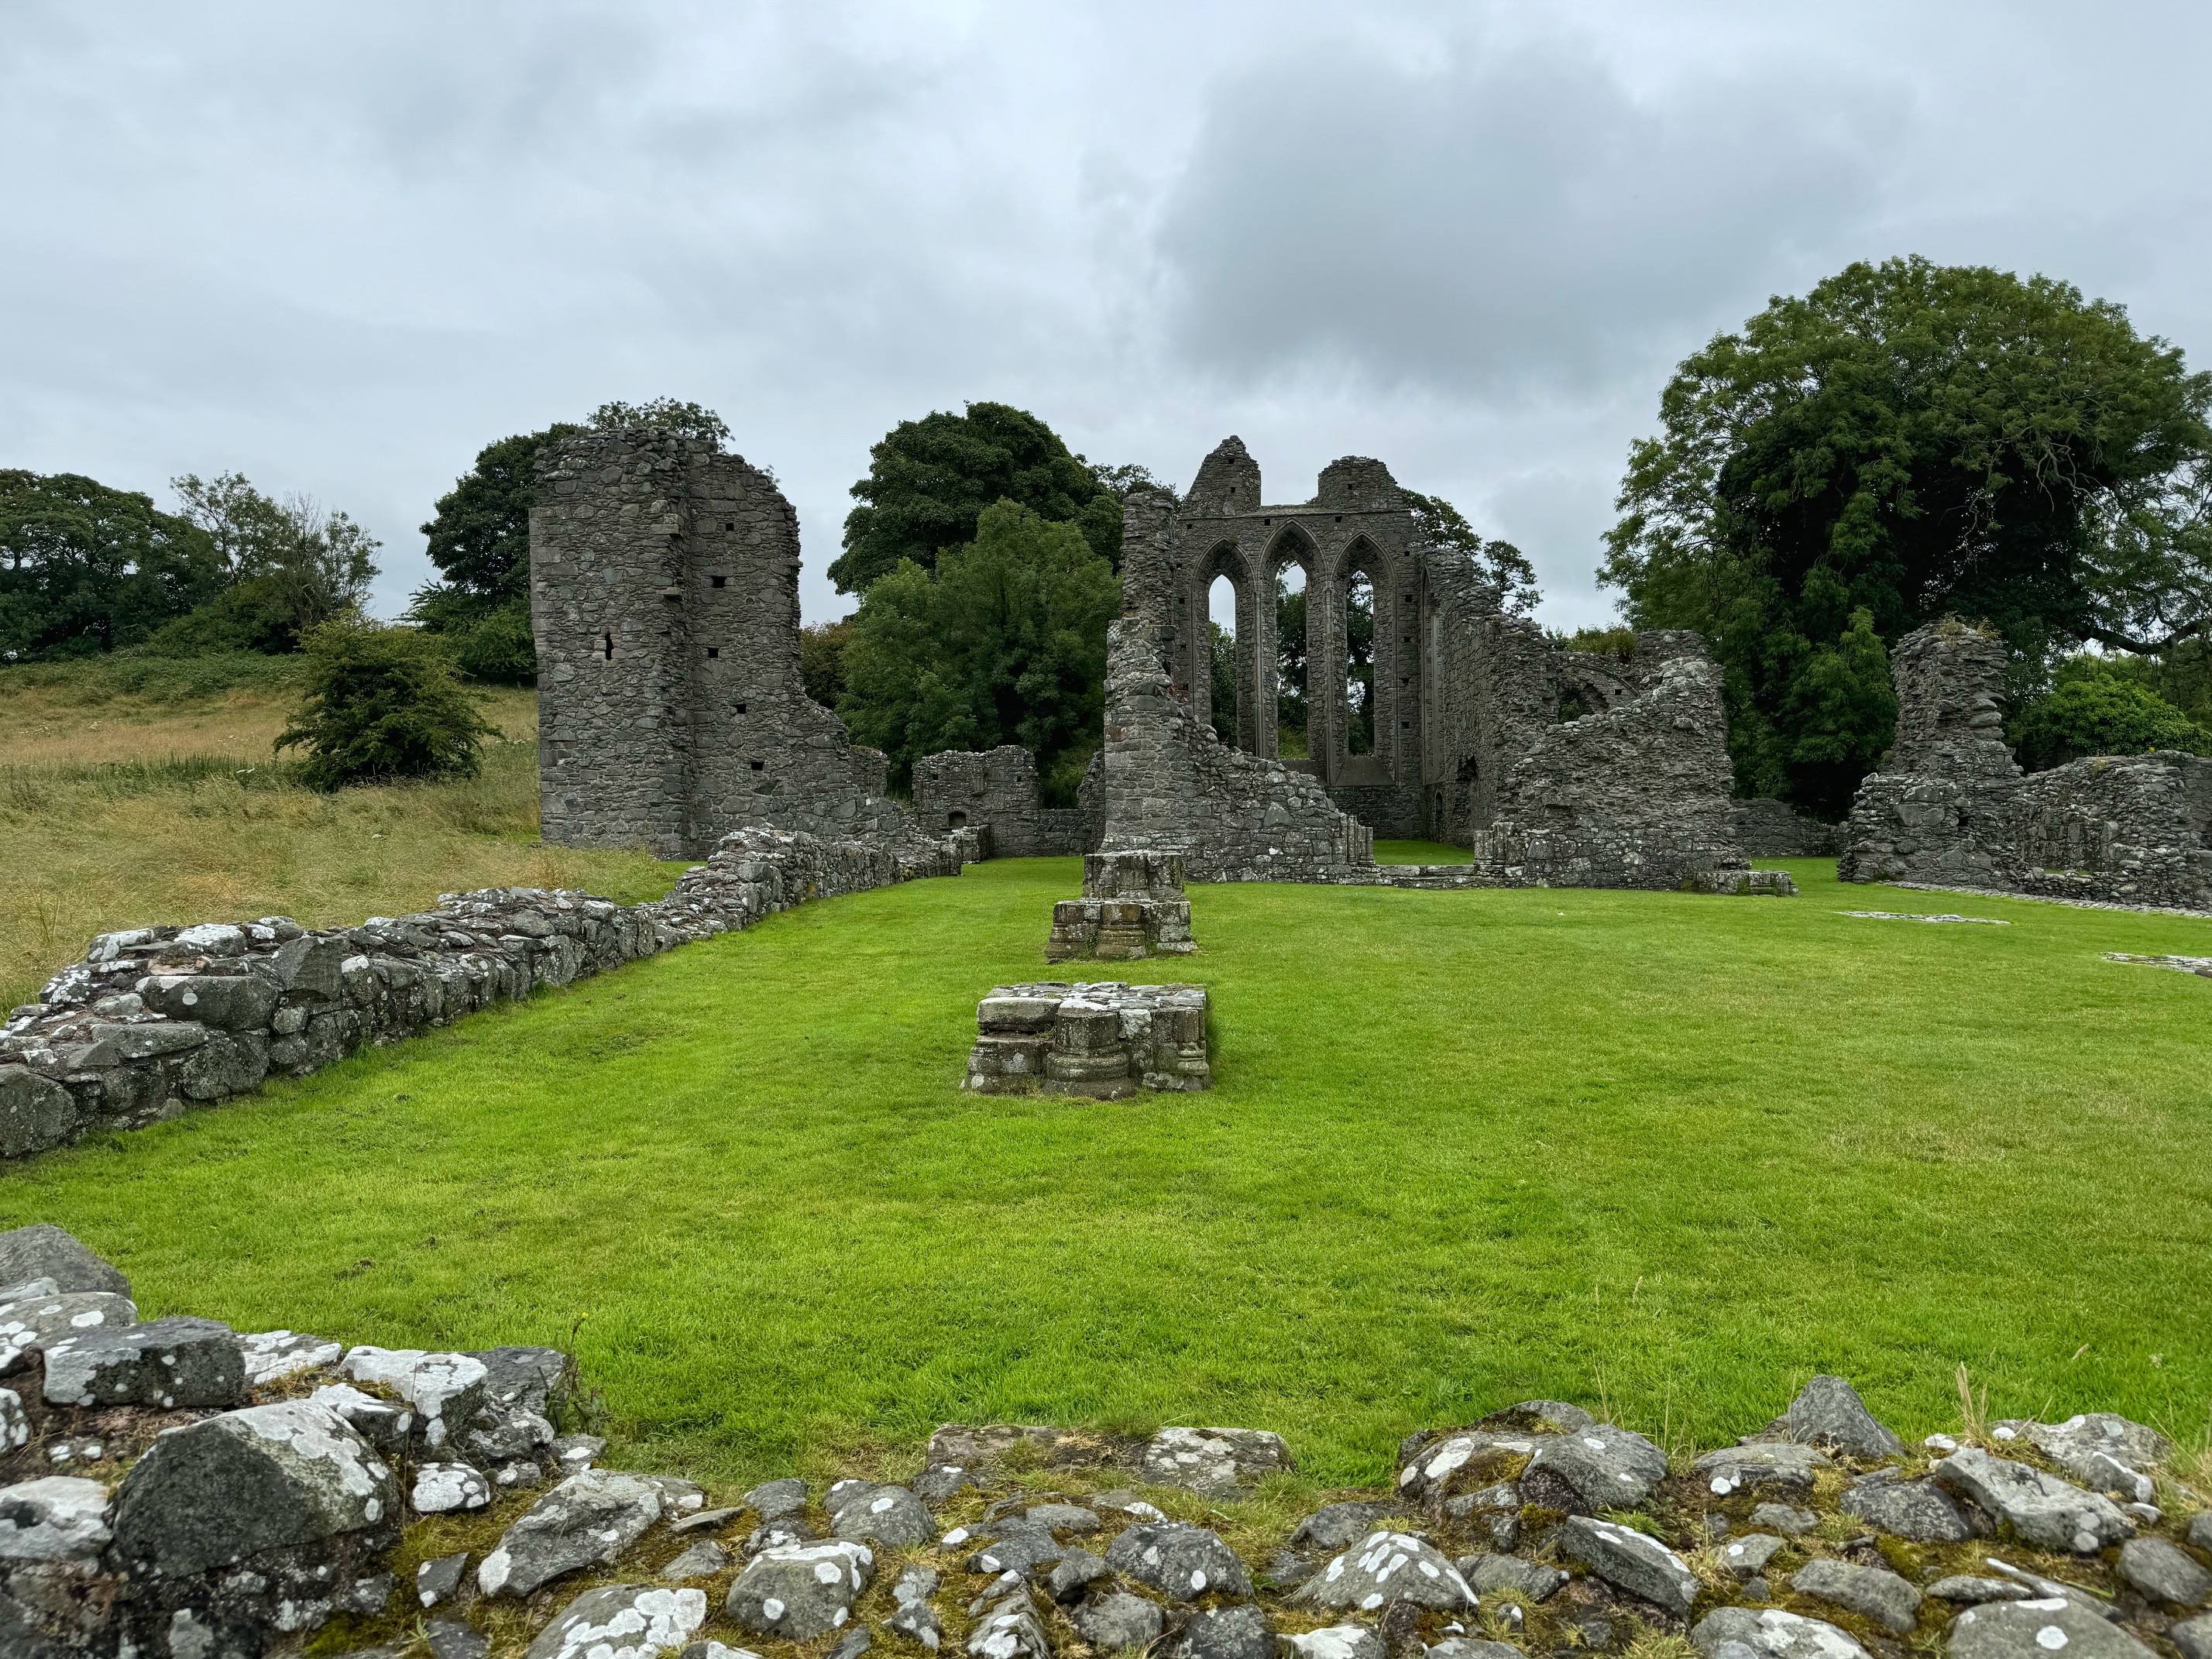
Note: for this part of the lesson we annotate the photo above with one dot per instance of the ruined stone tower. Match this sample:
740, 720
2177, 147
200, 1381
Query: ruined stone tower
664, 590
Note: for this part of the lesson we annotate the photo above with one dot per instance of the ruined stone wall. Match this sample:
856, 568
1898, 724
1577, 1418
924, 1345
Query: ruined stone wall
1951, 808
1170, 784
155, 1020
665, 596
998, 787
1770, 829
1635, 795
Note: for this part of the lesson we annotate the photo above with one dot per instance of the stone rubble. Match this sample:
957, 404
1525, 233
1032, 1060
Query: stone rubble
234, 1530
1133, 906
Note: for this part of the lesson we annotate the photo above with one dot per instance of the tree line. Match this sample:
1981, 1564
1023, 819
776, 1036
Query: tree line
1907, 442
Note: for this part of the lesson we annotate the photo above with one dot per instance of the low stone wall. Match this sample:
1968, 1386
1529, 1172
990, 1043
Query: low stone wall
1770, 829
1105, 1041
157, 1019
176, 1490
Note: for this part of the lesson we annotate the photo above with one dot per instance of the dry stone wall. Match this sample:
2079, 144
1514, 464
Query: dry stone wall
1950, 807
156, 1020
288, 1491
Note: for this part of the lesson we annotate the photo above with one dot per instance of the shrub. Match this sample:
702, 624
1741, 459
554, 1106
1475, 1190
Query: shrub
2091, 711
497, 647
382, 704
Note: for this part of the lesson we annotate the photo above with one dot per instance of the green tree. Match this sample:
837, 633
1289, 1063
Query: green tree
930, 481
2096, 708
1221, 669
822, 659
85, 568
1501, 564
288, 564
1289, 670
478, 537
1005, 641
1909, 441
382, 704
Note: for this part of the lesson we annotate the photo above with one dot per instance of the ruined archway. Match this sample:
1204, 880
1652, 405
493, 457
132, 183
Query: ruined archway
1228, 667
1286, 654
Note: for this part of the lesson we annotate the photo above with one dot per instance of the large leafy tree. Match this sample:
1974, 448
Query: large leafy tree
288, 564
1905, 441
1501, 564
1004, 641
85, 568
2097, 706
930, 481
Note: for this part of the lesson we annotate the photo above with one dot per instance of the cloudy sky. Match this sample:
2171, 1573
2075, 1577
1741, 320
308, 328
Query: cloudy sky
340, 248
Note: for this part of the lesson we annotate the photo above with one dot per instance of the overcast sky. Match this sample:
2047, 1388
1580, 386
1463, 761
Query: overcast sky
341, 248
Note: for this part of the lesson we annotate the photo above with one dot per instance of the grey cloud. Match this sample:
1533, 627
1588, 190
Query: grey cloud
1507, 218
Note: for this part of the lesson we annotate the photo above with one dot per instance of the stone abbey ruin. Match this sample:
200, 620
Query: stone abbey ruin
665, 592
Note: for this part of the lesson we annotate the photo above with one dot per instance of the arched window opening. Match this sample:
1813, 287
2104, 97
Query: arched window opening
1221, 630
1359, 665
1291, 662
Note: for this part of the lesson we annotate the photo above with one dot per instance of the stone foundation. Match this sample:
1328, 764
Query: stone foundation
1104, 1041
1133, 907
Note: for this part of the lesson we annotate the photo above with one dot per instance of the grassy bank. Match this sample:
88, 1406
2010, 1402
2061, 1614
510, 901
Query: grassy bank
1663, 1154
126, 801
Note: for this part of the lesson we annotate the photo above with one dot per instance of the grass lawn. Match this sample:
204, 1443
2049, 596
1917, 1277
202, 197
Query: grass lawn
1419, 852
1657, 1152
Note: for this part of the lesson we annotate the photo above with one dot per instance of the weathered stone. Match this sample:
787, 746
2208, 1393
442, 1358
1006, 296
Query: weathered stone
852, 1643
889, 1515
703, 1561
264, 1477
1746, 1556
1182, 1562
445, 1390
440, 1578
2162, 1571
169, 1362
1601, 1467
1472, 1647
1828, 1412
1009, 1629
1334, 1526
380, 1422
1510, 1577
1118, 1622
1879, 1595
1337, 1642
510, 1422
1238, 1633
441, 1488
1786, 1518
42, 1250
273, 1355
1772, 1465
2041, 1509
918, 1621
1385, 1567
2035, 1630
58, 1518
1916, 1511
2193, 1637
35, 1113
1074, 1573
1770, 1634
1964, 1587
1630, 1560
1215, 1462
2102, 1449
799, 1591
620, 1621
1433, 1467
1057, 1518
1017, 1546
588, 1520
31, 1324
775, 1499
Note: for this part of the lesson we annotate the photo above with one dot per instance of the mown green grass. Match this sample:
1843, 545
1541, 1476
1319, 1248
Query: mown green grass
1662, 1154
1419, 852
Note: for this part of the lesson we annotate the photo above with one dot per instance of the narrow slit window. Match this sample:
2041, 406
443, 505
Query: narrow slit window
607, 646
717, 581
760, 766
741, 708
713, 651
